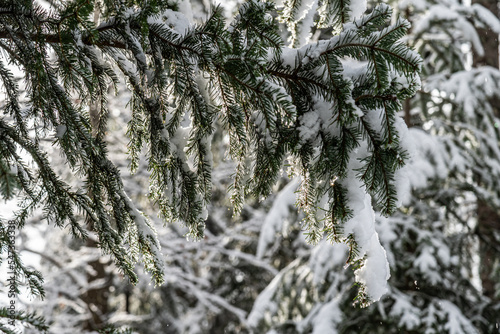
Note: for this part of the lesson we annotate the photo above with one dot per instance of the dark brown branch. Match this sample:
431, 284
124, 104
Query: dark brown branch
54, 39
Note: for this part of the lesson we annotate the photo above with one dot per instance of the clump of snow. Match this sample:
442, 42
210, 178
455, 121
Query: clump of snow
443, 254
328, 318
274, 219
324, 110
125, 65
374, 118
357, 7
309, 126
279, 92
60, 131
186, 9
175, 21
289, 57
325, 256
375, 272
401, 176
179, 146
259, 120
13, 169
385, 229
426, 262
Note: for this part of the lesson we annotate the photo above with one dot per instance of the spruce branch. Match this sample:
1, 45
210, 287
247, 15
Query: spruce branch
303, 105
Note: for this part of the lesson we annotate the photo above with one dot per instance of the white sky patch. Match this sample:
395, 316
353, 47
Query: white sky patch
7, 208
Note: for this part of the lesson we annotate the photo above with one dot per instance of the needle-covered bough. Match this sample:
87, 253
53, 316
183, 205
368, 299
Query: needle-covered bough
327, 110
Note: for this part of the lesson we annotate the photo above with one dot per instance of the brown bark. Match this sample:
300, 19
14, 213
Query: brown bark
97, 298
488, 222
407, 113
407, 103
489, 39
488, 217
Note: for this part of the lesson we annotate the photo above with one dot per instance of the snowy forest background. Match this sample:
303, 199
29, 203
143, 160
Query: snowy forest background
255, 272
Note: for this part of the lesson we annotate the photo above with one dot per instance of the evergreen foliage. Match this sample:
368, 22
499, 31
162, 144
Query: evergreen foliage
29, 320
184, 77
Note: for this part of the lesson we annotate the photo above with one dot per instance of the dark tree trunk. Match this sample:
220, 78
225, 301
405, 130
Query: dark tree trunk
97, 298
407, 103
488, 224
488, 218
489, 39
